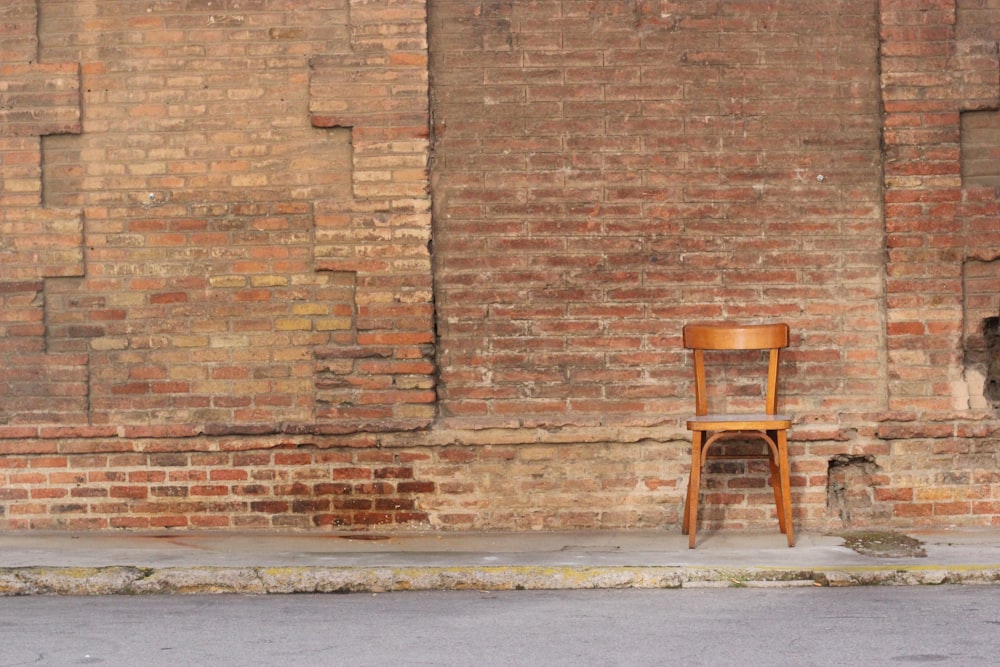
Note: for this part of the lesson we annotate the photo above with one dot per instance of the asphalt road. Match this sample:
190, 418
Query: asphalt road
923, 625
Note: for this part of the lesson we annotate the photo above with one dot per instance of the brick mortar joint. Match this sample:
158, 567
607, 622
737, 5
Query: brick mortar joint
71, 440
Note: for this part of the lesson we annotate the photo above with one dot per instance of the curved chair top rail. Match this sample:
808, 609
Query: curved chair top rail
735, 336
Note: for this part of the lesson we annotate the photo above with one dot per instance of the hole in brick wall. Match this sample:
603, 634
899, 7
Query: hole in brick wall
991, 338
850, 487
981, 337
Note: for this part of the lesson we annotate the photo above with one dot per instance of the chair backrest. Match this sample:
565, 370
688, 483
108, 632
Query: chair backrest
701, 337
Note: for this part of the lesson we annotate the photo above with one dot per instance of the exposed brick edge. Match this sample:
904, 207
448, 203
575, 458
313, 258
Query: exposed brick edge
218, 437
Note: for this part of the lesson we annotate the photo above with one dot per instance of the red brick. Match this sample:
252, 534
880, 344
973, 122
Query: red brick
416, 487
202, 521
596, 185
209, 490
137, 492
269, 507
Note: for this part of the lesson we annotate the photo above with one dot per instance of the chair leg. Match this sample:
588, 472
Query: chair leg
690, 523
779, 503
786, 487
687, 504
685, 519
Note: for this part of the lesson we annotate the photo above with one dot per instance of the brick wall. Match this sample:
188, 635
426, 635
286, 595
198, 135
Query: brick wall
220, 310
250, 260
100, 484
930, 75
36, 243
215, 223
609, 171
606, 172
939, 62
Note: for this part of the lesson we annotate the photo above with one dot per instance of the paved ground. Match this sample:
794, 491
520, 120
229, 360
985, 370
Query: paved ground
884, 626
170, 562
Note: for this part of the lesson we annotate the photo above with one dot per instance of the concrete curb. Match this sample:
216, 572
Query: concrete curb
129, 580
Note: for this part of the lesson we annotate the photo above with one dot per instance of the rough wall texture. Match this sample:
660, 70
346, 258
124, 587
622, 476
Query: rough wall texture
253, 180
221, 306
609, 171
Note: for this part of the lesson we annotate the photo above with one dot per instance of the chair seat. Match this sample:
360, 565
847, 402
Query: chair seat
739, 422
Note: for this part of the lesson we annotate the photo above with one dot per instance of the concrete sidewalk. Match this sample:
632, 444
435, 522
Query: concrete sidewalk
171, 562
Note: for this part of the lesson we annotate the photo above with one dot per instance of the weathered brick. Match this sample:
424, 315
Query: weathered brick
256, 329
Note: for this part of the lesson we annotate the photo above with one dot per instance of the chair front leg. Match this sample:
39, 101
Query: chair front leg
779, 502
690, 522
786, 486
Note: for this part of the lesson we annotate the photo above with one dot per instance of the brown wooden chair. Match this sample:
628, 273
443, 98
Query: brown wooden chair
708, 429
